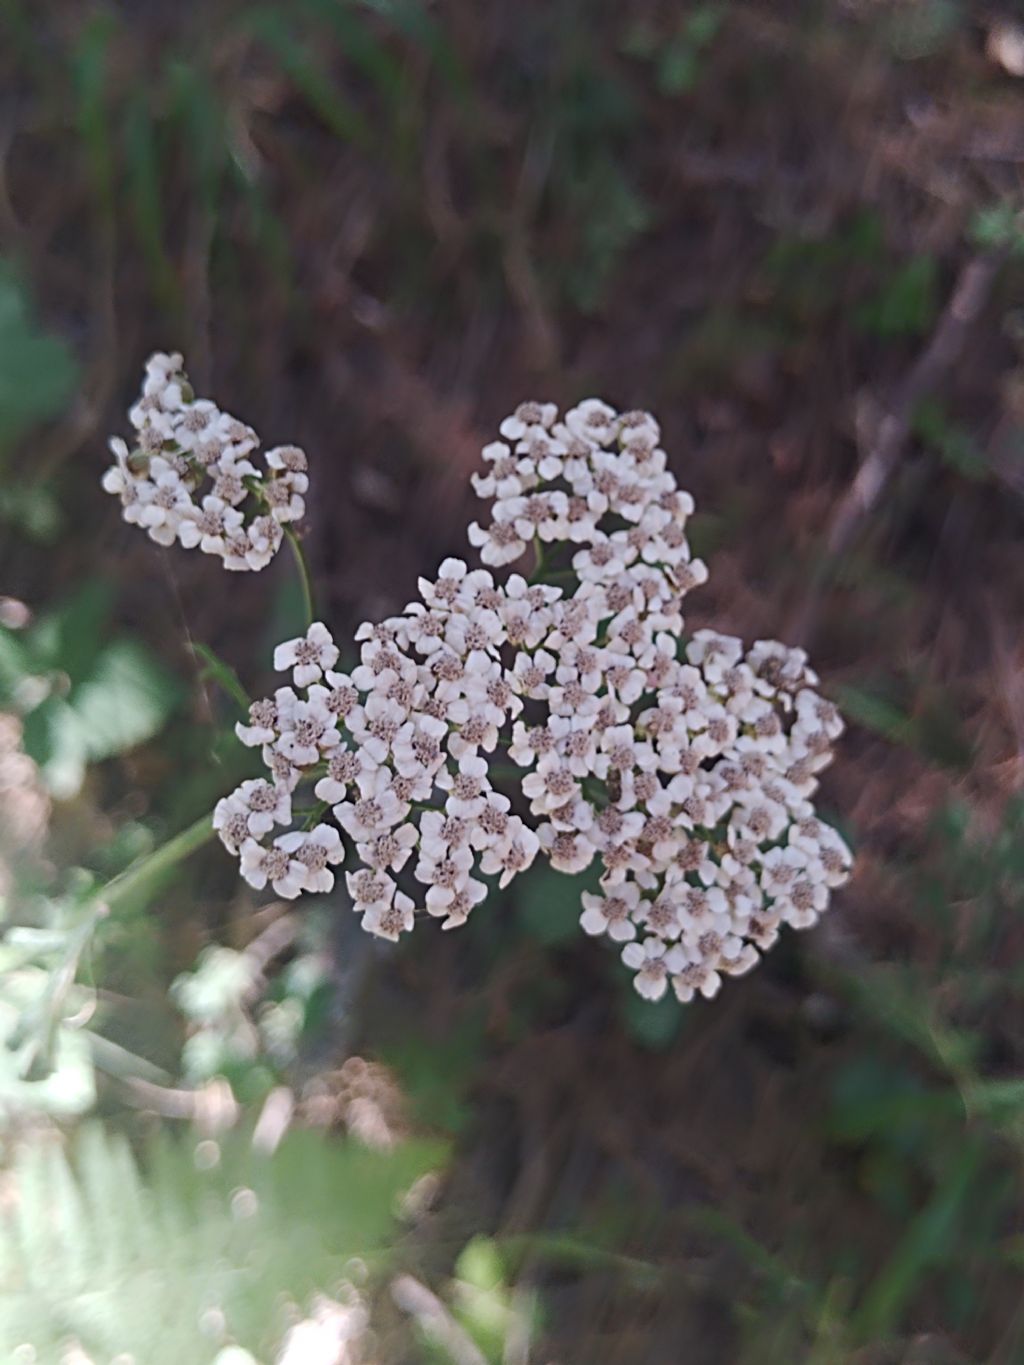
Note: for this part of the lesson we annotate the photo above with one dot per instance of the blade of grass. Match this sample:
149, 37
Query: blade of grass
775, 1271
360, 47
410, 18
197, 108
142, 160
929, 1241
90, 78
579, 1253
319, 90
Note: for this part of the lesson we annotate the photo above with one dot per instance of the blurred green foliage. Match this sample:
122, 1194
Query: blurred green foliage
951, 441
244, 1028
85, 694
37, 371
929, 1131
915, 32
437, 1073
906, 304
907, 712
1000, 227
192, 1247
677, 56
46, 1063
486, 1304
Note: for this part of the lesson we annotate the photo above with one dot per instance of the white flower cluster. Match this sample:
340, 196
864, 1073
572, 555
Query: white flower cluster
188, 476
686, 769
399, 750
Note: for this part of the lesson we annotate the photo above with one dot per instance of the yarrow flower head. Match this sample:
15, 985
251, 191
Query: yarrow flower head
398, 748
683, 767
187, 476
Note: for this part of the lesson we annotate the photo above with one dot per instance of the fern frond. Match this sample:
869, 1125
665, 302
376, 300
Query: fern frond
140, 1258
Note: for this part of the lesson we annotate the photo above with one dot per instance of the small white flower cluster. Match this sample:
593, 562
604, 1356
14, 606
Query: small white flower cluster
399, 750
188, 476
686, 769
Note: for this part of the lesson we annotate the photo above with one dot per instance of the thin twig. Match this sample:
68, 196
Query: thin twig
969, 297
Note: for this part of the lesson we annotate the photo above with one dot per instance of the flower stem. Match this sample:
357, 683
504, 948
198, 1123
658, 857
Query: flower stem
168, 855
302, 564
538, 560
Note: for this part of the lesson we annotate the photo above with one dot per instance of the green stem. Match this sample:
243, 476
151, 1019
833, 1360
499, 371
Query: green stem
302, 564
538, 560
162, 859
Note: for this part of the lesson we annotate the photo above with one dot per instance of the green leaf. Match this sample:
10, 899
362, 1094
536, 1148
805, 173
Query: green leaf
480, 1264
90, 698
719, 1223
703, 24
37, 372
483, 1297
53, 737
917, 31
874, 1099
125, 700
16, 664
679, 66
877, 713
612, 214
68, 637
45, 1064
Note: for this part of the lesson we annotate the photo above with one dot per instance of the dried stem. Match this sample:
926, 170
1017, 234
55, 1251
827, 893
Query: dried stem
969, 296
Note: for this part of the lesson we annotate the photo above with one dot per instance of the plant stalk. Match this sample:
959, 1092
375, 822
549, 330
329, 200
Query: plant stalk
305, 579
168, 855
